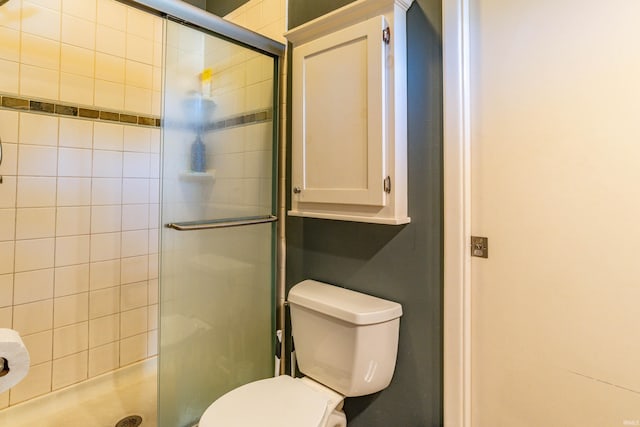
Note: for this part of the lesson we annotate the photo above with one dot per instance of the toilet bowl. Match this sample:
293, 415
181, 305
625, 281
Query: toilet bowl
346, 345
277, 402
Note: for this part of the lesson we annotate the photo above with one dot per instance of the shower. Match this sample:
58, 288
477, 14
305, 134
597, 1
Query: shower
143, 286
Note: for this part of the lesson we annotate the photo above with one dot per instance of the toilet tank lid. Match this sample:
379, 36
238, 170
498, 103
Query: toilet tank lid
353, 307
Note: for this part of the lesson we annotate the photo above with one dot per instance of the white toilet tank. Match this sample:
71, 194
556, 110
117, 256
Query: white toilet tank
344, 339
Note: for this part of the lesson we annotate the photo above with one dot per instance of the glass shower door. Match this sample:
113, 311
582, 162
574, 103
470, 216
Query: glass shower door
217, 248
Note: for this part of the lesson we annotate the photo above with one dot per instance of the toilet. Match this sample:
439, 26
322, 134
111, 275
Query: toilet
346, 346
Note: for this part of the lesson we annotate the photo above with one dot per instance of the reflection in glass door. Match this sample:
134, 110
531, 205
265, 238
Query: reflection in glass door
217, 257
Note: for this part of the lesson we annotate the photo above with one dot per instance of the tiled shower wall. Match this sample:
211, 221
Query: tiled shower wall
79, 198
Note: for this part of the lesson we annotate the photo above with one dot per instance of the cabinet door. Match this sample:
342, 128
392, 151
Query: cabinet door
339, 116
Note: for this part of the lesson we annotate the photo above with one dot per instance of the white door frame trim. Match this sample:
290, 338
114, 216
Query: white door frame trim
457, 214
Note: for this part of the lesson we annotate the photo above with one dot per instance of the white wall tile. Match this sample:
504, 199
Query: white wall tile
10, 47
135, 217
106, 191
70, 280
77, 60
154, 165
259, 95
105, 246
133, 349
134, 269
110, 68
49, 4
33, 317
10, 71
40, 52
8, 224
140, 23
76, 133
112, 14
104, 302
37, 382
7, 251
108, 136
152, 343
105, 274
139, 49
36, 191
153, 266
39, 347
138, 100
31, 286
154, 191
38, 129
41, 21
8, 192
139, 74
107, 164
135, 190
154, 237
103, 330
133, 322
137, 139
104, 358
78, 32
135, 243
73, 221
6, 315
74, 191
70, 309
228, 165
6, 290
38, 82
76, 89
37, 160
35, 223
154, 215
69, 370
72, 250
70, 339
136, 165
106, 219
109, 95
153, 291
81, 8
9, 123
34, 254
257, 164
111, 41
74, 162
133, 295
152, 323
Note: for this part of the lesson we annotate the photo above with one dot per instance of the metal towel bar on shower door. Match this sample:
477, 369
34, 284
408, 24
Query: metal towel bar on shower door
220, 223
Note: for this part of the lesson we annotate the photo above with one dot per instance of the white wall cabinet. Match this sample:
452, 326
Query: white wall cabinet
349, 114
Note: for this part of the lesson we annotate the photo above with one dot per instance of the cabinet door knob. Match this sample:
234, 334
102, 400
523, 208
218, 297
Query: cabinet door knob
297, 190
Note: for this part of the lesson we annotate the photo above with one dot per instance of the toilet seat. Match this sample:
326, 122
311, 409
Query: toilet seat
275, 402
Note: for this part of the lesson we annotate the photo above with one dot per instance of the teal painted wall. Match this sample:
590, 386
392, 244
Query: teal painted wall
400, 263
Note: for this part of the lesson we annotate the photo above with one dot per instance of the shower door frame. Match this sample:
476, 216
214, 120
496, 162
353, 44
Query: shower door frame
194, 17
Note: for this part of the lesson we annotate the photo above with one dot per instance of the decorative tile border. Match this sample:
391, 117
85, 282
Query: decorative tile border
241, 120
25, 104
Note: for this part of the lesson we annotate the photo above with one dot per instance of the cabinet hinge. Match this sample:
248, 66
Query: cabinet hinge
387, 185
386, 35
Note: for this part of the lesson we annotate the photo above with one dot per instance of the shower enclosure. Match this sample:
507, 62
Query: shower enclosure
137, 209
218, 204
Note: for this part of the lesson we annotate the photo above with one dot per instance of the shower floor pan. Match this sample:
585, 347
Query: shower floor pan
99, 402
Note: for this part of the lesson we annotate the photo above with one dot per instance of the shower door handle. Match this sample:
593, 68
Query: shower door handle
220, 223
